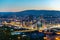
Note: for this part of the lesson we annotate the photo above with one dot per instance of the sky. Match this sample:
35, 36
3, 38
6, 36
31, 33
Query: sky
20, 5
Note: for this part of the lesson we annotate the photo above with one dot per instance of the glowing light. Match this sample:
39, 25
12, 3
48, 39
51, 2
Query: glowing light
57, 38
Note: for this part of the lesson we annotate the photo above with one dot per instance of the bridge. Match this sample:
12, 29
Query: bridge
20, 26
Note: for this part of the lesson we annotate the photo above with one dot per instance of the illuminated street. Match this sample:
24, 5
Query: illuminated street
29, 19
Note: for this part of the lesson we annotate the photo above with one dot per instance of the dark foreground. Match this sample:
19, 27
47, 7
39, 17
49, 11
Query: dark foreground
7, 33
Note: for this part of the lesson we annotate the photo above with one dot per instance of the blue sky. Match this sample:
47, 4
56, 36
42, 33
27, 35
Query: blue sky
20, 5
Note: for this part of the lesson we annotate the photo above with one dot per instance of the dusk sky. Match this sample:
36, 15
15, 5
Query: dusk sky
20, 5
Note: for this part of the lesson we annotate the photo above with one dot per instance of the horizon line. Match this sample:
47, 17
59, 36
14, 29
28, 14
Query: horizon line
30, 9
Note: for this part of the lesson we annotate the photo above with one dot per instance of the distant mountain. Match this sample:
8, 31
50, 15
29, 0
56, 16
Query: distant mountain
31, 12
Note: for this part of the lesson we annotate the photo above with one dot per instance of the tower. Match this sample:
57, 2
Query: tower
41, 23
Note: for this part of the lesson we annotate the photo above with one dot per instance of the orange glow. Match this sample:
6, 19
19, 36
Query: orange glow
57, 32
57, 38
45, 38
40, 30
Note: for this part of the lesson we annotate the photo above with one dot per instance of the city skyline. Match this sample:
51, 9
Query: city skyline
20, 5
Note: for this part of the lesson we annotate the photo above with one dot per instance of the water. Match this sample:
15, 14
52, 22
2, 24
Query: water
31, 35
